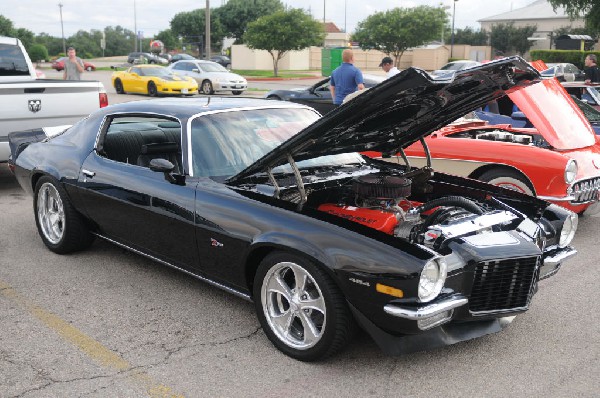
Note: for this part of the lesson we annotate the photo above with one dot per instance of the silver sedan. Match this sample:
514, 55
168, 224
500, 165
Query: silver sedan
211, 76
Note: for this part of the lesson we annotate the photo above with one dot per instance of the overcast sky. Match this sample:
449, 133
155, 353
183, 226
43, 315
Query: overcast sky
152, 16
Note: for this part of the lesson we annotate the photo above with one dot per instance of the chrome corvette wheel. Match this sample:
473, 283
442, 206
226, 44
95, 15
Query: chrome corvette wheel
50, 212
300, 307
293, 305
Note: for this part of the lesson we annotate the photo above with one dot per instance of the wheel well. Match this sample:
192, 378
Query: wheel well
484, 169
259, 254
274, 97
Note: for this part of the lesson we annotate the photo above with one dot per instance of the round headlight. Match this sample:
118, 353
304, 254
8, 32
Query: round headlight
570, 171
432, 279
568, 230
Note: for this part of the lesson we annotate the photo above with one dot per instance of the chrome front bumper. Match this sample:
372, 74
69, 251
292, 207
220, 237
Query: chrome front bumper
427, 311
553, 261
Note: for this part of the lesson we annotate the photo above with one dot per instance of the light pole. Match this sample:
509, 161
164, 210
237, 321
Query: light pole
60, 6
452, 39
207, 24
135, 32
323, 14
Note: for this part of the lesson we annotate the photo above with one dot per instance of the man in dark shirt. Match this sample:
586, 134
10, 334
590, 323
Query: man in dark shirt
345, 79
592, 73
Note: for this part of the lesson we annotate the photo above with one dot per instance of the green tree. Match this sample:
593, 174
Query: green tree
506, 38
588, 9
284, 31
6, 27
470, 36
119, 41
52, 44
38, 52
235, 15
394, 31
87, 44
190, 26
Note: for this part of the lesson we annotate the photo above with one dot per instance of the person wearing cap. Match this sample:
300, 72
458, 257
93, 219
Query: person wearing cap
387, 64
345, 79
73, 66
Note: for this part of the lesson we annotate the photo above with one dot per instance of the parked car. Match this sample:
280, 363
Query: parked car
152, 80
180, 57
588, 93
270, 202
142, 58
557, 161
59, 64
211, 76
222, 60
318, 95
564, 72
454, 66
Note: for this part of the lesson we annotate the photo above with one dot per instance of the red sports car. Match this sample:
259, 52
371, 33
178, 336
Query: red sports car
59, 64
558, 160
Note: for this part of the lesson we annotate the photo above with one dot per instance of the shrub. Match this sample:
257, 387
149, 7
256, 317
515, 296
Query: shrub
38, 53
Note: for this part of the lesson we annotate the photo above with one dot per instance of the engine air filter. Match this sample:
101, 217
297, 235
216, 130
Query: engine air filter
382, 186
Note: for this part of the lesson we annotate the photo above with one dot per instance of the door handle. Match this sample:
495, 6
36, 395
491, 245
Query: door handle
88, 173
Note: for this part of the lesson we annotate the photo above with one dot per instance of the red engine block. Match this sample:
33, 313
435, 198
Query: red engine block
376, 219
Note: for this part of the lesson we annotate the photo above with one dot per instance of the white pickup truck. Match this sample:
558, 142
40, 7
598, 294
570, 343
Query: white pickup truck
27, 102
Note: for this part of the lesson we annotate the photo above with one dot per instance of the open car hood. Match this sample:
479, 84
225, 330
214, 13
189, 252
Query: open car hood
565, 127
399, 111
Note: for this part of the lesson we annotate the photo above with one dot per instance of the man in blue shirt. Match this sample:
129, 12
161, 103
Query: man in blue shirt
345, 79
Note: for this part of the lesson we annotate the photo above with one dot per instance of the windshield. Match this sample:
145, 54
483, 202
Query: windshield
453, 66
12, 61
589, 111
225, 143
212, 67
157, 71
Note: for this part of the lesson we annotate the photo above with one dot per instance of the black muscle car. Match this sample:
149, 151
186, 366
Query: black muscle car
318, 95
272, 203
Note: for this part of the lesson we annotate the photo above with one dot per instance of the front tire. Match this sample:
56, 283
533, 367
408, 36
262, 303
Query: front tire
237, 92
119, 87
61, 228
509, 179
206, 87
89, 69
152, 91
300, 308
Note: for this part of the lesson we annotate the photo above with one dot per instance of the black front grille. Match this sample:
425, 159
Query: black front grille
503, 285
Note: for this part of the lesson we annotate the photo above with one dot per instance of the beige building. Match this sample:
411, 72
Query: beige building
539, 13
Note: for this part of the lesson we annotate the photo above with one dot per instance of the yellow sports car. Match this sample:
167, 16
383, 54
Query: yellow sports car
152, 80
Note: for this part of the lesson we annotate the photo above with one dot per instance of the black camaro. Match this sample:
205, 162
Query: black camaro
273, 203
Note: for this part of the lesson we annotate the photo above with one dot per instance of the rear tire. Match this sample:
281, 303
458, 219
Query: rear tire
89, 69
274, 97
507, 178
60, 226
300, 308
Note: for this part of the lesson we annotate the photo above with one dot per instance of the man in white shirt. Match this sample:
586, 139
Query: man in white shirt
387, 64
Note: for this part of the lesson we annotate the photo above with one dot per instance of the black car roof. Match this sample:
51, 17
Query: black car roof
183, 108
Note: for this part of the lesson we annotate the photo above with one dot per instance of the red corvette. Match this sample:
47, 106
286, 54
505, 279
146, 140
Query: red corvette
558, 160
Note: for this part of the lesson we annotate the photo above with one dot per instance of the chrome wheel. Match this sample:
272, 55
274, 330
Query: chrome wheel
293, 305
50, 212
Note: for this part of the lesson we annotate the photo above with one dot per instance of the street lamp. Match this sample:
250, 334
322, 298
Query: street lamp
452, 39
60, 6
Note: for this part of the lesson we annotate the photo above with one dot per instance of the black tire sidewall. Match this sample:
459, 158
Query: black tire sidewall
152, 90
322, 348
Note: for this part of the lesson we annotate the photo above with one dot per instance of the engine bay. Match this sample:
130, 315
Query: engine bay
502, 136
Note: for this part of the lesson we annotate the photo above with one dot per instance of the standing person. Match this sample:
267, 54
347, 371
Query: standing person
345, 79
387, 64
592, 73
73, 66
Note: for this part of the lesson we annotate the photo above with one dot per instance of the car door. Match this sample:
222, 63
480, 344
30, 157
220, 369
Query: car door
317, 96
133, 205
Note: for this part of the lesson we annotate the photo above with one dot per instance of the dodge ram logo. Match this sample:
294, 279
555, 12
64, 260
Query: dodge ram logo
35, 105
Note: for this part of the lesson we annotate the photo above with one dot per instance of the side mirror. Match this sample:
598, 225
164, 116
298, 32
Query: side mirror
134, 74
196, 70
165, 167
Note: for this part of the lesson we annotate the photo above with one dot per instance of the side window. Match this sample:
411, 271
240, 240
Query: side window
136, 140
